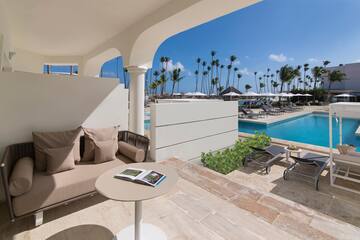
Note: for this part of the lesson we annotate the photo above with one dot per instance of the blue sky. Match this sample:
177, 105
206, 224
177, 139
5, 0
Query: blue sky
268, 35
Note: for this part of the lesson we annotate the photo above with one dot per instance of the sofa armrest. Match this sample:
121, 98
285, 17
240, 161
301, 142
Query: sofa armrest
136, 140
11, 155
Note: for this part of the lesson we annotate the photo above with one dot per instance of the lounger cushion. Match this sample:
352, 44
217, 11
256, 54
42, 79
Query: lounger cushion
132, 152
44, 140
105, 151
21, 177
59, 159
99, 134
51, 189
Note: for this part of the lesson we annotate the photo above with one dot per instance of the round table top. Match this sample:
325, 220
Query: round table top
121, 190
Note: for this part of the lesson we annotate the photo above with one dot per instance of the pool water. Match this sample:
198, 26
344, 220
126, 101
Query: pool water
147, 124
310, 129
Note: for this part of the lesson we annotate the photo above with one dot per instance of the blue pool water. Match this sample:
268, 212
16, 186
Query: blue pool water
311, 129
147, 124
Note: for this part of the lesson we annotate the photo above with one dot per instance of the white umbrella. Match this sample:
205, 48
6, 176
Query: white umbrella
299, 95
231, 94
268, 94
189, 94
307, 95
177, 94
250, 94
199, 94
344, 95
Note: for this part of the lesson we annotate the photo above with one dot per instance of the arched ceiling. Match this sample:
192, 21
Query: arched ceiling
72, 27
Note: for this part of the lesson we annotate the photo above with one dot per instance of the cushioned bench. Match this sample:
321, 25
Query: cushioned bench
49, 191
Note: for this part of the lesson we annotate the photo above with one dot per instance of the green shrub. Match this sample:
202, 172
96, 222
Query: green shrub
230, 159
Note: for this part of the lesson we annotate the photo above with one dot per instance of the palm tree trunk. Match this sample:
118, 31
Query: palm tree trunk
228, 78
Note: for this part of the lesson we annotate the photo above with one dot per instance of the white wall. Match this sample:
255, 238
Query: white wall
351, 81
186, 129
37, 102
5, 39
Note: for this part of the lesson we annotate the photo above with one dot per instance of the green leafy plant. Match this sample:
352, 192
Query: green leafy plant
233, 158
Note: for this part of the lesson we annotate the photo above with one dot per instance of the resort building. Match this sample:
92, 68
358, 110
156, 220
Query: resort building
76, 161
351, 84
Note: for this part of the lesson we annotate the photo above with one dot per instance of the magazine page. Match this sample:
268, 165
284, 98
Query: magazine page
152, 178
131, 174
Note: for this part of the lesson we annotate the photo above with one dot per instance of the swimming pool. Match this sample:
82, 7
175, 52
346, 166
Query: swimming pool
310, 129
147, 124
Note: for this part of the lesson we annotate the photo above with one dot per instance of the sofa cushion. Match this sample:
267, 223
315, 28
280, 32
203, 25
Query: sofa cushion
51, 189
98, 134
44, 140
59, 159
132, 152
105, 151
21, 177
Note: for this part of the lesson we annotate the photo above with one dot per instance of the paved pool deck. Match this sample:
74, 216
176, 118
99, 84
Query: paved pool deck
269, 119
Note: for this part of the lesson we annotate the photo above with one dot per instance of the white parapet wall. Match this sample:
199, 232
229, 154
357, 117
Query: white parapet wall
185, 129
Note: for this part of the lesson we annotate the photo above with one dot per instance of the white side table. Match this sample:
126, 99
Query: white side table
288, 153
125, 191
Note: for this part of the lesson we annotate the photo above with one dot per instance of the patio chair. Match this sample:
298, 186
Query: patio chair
265, 157
347, 167
250, 114
310, 166
270, 111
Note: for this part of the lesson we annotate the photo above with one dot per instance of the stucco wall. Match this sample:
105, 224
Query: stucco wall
37, 102
186, 129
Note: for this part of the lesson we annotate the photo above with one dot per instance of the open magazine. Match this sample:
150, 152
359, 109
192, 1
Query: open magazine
142, 176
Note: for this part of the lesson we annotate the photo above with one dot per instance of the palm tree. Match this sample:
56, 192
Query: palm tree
235, 71
213, 63
297, 82
175, 78
125, 72
306, 67
257, 90
202, 79
163, 80
267, 79
325, 63
238, 78
232, 59
220, 76
334, 76
208, 80
228, 75
247, 87
204, 76
286, 75
262, 85
198, 61
197, 80
275, 86
317, 72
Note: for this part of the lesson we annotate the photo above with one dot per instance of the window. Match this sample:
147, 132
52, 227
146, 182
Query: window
61, 69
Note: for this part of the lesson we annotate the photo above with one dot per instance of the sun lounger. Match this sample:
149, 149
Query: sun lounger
250, 114
270, 110
266, 157
310, 166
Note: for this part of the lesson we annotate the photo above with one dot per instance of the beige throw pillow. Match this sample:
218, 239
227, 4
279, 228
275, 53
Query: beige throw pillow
21, 177
45, 140
59, 159
98, 134
105, 151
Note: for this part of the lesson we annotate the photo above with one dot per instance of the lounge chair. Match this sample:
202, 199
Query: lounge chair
250, 114
269, 110
266, 157
310, 166
346, 166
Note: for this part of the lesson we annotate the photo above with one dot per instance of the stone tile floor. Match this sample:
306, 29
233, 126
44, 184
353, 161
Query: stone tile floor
203, 205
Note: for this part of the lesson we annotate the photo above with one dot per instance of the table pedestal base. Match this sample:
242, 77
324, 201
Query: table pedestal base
148, 232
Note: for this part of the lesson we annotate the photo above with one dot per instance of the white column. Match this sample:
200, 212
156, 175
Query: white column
137, 97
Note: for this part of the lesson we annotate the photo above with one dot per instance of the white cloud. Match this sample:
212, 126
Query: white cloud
313, 60
278, 57
245, 71
171, 66
291, 59
236, 62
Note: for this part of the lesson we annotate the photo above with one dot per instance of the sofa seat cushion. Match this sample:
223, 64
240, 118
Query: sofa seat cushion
51, 189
